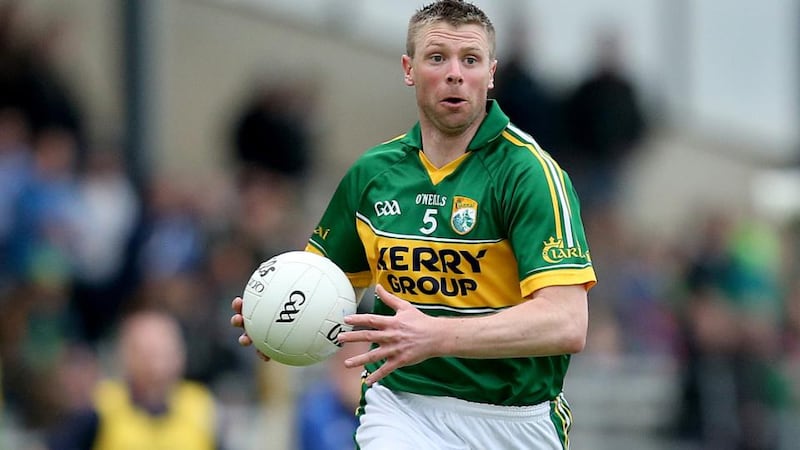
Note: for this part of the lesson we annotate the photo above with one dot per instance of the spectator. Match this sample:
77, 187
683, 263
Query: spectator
30, 76
223, 362
273, 146
526, 100
15, 170
731, 385
150, 405
35, 324
267, 137
110, 209
326, 418
604, 122
48, 210
169, 239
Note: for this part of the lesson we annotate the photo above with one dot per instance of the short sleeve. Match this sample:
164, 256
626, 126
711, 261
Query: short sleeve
545, 227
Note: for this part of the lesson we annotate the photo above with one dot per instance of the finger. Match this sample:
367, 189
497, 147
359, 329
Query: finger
263, 357
367, 320
358, 336
237, 320
379, 374
236, 305
244, 340
389, 299
364, 358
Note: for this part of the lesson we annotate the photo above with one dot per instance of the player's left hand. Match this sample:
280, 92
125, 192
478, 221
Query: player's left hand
237, 320
404, 339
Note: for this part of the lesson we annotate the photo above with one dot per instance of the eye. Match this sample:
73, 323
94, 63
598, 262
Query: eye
471, 60
437, 58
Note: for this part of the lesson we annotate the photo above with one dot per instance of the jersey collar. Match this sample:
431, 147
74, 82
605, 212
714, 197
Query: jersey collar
493, 124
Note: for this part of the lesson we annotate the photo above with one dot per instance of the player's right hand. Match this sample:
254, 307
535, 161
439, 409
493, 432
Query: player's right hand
237, 320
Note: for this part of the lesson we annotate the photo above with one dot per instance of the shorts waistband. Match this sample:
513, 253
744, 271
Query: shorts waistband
473, 408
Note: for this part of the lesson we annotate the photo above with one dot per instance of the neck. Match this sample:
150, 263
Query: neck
441, 148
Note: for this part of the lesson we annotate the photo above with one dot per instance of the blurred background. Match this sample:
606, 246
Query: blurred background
153, 152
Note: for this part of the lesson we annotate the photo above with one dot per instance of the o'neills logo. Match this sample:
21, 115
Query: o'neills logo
465, 213
554, 251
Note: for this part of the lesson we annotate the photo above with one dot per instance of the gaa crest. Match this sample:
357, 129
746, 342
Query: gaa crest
465, 214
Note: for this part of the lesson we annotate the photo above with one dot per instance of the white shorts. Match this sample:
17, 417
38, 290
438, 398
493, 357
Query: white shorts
403, 421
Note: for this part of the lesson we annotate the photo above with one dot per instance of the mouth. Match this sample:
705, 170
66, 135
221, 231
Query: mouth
453, 101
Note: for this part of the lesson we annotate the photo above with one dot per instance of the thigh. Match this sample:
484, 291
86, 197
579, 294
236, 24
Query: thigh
542, 427
390, 423
482, 433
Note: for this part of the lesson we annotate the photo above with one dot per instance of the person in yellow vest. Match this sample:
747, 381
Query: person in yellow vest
151, 406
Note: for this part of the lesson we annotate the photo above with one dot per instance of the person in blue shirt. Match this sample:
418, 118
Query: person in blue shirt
326, 418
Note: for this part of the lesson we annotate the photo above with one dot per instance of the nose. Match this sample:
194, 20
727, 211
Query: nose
454, 75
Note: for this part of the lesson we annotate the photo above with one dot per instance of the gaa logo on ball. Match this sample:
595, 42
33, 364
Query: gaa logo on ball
294, 307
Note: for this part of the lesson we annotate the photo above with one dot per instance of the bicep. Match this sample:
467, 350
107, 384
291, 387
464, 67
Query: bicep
571, 300
572, 296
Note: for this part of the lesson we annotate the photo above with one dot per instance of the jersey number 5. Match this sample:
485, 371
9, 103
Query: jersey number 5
430, 221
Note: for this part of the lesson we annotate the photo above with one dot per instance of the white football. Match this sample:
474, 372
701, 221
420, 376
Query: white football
294, 307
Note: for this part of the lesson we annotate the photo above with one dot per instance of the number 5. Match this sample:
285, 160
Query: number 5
430, 221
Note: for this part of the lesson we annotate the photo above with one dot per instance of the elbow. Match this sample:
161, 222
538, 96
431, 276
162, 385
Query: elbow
575, 339
576, 343
577, 329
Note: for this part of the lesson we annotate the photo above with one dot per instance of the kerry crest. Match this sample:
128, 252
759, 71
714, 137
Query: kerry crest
465, 214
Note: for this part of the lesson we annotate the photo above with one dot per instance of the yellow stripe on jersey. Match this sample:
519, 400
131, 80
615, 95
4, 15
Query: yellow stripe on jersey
395, 139
559, 277
444, 272
555, 181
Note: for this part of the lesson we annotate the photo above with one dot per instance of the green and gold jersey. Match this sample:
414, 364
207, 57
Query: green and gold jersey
473, 237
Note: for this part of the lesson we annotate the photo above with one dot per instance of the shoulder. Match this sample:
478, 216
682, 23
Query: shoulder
516, 153
385, 153
379, 158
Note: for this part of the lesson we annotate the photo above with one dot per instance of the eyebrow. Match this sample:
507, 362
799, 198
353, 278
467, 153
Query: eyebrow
437, 45
473, 50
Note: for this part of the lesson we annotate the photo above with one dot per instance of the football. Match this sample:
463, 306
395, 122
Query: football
294, 307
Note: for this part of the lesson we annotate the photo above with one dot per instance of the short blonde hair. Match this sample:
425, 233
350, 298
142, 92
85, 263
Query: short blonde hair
453, 12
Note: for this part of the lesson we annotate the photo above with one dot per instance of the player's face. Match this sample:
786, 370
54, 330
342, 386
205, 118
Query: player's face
452, 72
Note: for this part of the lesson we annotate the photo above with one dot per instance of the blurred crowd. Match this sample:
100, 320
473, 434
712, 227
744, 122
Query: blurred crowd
83, 250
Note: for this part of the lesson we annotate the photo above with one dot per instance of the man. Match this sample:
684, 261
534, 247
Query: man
472, 235
150, 406
325, 418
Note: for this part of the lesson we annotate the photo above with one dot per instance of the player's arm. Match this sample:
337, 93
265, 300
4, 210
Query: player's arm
553, 321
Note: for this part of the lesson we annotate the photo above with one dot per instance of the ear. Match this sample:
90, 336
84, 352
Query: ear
492, 68
408, 77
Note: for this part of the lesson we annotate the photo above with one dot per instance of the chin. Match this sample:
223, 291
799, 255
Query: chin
453, 130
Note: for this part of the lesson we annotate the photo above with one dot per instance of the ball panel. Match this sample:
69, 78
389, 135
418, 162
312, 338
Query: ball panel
296, 313
325, 343
342, 307
294, 307
265, 307
257, 284
292, 360
331, 270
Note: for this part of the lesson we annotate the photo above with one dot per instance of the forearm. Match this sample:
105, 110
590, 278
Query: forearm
553, 322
